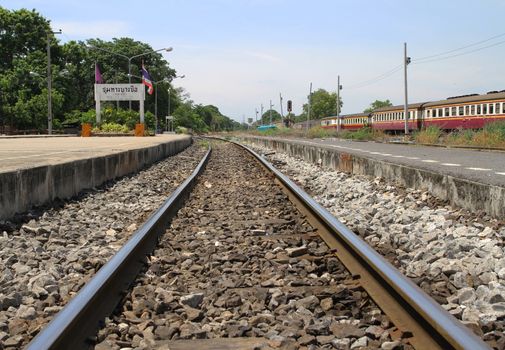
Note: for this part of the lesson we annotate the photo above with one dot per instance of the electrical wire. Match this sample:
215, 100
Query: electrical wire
376, 79
459, 48
432, 58
459, 54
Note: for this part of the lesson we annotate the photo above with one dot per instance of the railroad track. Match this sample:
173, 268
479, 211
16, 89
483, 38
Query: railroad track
246, 260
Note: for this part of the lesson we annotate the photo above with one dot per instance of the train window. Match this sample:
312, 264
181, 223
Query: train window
472, 110
497, 108
467, 110
491, 108
478, 109
484, 109
460, 112
503, 107
446, 111
453, 111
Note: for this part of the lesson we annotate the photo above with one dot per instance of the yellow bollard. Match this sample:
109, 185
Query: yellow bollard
139, 129
86, 130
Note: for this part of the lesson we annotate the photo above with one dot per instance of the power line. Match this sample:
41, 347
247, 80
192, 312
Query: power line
460, 54
459, 48
376, 79
432, 58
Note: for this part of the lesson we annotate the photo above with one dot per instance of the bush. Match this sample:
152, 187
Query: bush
365, 133
430, 135
80, 117
320, 132
181, 130
114, 128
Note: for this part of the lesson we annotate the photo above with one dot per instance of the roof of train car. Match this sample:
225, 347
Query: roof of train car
347, 116
449, 101
399, 107
473, 98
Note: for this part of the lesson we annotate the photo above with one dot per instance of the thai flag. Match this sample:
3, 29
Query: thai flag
98, 75
146, 80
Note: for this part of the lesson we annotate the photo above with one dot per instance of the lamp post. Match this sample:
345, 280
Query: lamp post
130, 58
155, 83
155, 86
49, 99
49, 83
168, 107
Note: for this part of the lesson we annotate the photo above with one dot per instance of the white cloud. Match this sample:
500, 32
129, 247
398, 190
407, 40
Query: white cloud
264, 56
92, 29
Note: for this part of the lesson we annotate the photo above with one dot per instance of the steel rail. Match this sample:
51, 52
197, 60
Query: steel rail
412, 311
76, 324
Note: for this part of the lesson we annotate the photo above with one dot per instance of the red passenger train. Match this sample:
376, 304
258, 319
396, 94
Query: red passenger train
461, 112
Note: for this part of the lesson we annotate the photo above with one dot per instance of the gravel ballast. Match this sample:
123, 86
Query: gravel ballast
47, 255
455, 256
240, 265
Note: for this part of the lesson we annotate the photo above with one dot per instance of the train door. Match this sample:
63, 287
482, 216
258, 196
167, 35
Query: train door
419, 118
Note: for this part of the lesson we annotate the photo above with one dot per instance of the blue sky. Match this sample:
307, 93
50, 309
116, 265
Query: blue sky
238, 54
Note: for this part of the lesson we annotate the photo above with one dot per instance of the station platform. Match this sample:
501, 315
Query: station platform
34, 170
467, 178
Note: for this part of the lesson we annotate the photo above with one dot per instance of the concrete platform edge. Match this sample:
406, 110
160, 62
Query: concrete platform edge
22, 189
462, 193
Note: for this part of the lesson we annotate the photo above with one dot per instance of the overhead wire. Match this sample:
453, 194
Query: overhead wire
376, 79
459, 48
458, 54
432, 58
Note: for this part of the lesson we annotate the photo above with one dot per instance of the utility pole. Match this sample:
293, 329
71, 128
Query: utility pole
338, 102
282, 113
155, 108
261, 116
168, 112
308, 109
49, 84
256, 110
406, 61
271, 105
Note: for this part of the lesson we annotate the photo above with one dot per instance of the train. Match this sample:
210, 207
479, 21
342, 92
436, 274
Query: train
459, 112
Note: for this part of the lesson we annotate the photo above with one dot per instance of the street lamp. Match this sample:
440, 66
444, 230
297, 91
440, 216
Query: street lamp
168, 109
155, 86
49, 82
49, 97
129, 58
155, 83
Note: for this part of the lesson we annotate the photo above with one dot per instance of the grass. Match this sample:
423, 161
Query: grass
363, 134
430, 135
492, 135
318, 132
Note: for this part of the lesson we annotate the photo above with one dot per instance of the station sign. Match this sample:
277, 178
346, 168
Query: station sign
119, 92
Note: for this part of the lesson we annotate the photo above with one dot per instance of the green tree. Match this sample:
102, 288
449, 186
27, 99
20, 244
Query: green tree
376, 105
21, 33
186, 116
265, 118
23, 81
323, 104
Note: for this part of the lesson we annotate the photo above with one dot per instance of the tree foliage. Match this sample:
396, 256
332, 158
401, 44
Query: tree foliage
323, 104
23, 79
265, 118
377, 104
